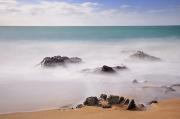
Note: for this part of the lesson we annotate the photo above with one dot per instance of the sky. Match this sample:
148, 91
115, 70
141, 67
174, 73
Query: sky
89, 12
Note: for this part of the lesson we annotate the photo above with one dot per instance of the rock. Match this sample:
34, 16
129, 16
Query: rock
143, 56
135, 81
153, 101
131, 105
91, 101
120, 67
107, 69
59, 61
140, 107
103, 96
79, 106
121, 99
113, 99
126, 102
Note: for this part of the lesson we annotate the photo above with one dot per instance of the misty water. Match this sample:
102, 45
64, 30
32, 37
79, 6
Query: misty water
26, 86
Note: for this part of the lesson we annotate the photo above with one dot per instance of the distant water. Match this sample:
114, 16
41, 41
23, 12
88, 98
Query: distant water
26, 86
88, 33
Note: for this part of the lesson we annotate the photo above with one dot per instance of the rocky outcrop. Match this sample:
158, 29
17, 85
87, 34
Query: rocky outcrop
107, 69
59, 61
91, 101
153, 101
143, 56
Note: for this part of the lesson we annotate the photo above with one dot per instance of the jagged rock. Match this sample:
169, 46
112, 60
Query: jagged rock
103, 96
58, 61
91, 101
153, 101
79, 106
106, 106
126, 102
143, 56
107, 69
131, 105
113, 99
121, 99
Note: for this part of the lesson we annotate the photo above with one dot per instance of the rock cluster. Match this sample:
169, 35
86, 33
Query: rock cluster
59, 61
105, 101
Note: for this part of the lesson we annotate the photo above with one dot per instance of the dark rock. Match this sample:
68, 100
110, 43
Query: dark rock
79, 106
131, 105
126, 102
58, 60
143, 56
120, 67
103, 96
107, 69
135, 81
121, 99
113, 99
91, 101
153, 101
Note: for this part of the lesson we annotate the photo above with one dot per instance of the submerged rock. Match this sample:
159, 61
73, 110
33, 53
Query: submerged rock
59, 61
113, 99
91, 101
143, 56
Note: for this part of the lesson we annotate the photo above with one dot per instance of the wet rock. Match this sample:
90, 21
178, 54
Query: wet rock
91, 101
153, 101
103, 96
107, 69
143, 56
113, 99
79, 106
140, 107
126, 102
131, 105
106, 106
121, 100
59, 61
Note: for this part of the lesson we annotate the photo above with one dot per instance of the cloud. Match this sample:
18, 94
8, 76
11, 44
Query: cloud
87, 13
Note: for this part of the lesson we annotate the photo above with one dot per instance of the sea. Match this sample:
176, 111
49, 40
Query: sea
27, 86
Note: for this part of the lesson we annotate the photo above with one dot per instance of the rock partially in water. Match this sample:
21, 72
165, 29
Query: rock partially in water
91, 101
131, 105
59, 61
113, 99
121, 100
143, 56
107, 69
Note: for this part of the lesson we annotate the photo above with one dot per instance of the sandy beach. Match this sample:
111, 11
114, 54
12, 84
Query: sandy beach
165, 109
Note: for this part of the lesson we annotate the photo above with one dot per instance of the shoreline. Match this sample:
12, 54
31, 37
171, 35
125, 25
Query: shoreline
166, 109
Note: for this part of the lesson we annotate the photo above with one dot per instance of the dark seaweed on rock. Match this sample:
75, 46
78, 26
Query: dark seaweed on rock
59, 61
143, 56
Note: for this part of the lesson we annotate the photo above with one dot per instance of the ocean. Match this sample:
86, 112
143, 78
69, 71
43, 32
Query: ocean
26, 86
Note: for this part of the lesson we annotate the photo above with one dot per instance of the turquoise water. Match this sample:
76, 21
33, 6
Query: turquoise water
86, 33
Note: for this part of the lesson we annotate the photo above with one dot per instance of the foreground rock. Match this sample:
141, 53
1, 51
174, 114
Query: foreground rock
91, 101
59, 61
143, 56
112, 100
